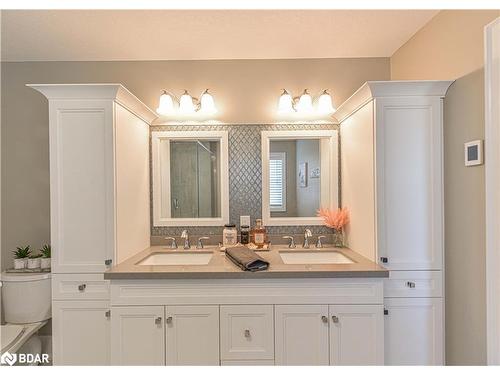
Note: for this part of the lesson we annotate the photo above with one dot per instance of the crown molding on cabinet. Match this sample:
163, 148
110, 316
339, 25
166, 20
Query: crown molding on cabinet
374, 89
111, 91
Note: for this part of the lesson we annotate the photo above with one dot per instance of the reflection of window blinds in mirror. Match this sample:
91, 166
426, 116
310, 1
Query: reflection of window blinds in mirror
277, 181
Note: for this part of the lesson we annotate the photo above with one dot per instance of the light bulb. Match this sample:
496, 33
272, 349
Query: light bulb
186, 105
305, 103
325, 105
166, 105
285, 104
207, 104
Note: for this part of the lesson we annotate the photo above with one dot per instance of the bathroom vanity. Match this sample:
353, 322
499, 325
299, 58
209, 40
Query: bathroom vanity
182, 307
118, 300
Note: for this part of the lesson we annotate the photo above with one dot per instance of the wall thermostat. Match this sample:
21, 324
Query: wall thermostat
473, 153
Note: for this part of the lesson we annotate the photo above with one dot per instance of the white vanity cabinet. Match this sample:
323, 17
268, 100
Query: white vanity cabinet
302, 321
302, 335
392, 183
138, 336
329, 335
99, 206
192, 335
81, 332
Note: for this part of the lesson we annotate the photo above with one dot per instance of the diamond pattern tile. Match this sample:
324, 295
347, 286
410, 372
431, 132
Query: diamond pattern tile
245, 176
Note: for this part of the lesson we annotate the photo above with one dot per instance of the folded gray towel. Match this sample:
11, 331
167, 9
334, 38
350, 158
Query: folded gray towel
246, 259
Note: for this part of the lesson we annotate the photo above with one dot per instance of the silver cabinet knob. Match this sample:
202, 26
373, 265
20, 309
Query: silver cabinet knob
410, 284
324, 319
158, 321
247, 333
107, 314
82, 287
335, 319
108, 262
169, 320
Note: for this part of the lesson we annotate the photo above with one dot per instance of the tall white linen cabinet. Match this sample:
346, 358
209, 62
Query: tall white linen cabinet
392, 182
99, 203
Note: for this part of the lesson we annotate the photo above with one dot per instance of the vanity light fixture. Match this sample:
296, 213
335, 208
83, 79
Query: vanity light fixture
187, 105
166, 105
305, 104
287, 104
325, 104
207, 104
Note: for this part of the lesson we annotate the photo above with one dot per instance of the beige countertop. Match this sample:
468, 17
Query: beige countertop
221, 268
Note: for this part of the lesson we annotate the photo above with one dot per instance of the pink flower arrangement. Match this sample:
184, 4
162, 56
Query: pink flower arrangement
335, 219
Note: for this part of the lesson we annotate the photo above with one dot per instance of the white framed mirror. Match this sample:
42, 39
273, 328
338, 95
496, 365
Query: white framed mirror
190, 178
299, 175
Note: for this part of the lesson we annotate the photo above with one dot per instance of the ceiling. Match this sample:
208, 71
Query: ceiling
105, 35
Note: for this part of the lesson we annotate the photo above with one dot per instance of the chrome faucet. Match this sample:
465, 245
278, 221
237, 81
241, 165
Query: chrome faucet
319, 244
307, 235
173, 244
199, 245
185, 236
291, 242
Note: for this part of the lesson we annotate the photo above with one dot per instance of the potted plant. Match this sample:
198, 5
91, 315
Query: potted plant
336, 220
34, 261
45, 261
21, 255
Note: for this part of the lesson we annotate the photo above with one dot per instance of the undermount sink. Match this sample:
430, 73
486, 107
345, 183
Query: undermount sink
178, 258
314, 257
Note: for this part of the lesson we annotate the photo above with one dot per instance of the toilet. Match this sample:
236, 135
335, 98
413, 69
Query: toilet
26, 303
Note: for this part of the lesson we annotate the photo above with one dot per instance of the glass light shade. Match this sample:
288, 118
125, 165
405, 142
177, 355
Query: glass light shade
305, 104
325, 105
166, 105
207, 104
186, 105
285, 104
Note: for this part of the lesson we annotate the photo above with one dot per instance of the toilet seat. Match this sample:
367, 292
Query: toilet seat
15, 335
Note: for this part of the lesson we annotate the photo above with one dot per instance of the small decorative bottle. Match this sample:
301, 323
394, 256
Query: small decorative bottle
258, 234
245, 234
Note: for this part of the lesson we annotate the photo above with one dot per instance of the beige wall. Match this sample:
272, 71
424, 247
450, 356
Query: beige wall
246, 91
450, 46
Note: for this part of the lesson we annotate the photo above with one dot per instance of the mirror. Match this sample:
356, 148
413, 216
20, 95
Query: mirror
190, 178
300, 175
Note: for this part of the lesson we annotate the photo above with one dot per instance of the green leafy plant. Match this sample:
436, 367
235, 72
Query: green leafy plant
22, 252
45, 251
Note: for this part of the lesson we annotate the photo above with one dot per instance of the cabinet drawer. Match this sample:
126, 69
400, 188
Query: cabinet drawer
247, 332
79, 287
414, 284
249, 362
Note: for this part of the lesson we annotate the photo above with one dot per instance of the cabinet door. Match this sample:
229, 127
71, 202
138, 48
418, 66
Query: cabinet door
247, 332
137, 336
356, 335
192, 335
81, 333
301, 335
81, 185
414, 331
409, 182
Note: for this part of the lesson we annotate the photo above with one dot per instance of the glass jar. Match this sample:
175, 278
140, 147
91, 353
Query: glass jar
245, 234
338, 238
229, 235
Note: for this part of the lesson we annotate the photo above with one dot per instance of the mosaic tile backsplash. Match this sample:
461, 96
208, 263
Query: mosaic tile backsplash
245, 177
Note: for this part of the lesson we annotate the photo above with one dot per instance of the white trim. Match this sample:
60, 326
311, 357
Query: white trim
329, 170
93, 91
157, 158
378, 89
492, 182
